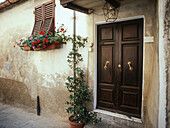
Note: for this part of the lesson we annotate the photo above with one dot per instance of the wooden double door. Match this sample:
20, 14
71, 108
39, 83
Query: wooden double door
119, 67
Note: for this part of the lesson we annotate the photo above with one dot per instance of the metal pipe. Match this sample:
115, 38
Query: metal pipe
74, 45
38, 106
74, 36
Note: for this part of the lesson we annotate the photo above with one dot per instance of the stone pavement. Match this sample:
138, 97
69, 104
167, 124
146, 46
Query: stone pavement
11, 117
16, 118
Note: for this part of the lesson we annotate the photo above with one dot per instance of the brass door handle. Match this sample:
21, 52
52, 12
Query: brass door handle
106, 65
130, 67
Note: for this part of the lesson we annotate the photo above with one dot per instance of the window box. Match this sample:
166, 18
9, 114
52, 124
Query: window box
26, 48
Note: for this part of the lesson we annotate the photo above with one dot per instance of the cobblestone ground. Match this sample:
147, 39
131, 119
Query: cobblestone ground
16, 118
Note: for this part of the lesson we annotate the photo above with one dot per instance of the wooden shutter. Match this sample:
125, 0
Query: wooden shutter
44, 18
49, 11
38, 20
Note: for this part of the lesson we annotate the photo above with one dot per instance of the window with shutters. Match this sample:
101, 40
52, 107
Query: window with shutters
44, 18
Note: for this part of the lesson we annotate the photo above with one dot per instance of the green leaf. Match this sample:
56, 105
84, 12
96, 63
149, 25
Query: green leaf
66, 102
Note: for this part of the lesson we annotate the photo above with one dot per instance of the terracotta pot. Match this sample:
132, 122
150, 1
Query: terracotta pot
26, 48
75, 125
37, 49
57, 45
21, 45
51, 46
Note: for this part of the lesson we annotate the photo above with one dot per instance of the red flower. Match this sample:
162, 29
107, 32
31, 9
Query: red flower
62, 29
38, 41
54, 27
44, 40
41, 33
44, 46
64, 40
17, 44
38, 46
14, 46
49, 32
56, 42
53, 39
68, 35
33, 43
19, 40
47, 41
47, 36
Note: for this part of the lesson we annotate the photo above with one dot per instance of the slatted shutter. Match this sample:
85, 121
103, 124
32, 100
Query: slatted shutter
38, 20
48, 22
44, 18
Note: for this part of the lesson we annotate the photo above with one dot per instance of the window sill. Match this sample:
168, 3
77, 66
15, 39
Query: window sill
118, 115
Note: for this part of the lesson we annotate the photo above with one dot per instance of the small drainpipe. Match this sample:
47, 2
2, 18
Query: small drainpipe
74, 36
38, 106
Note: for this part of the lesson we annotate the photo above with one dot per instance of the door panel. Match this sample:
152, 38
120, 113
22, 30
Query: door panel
106, 94
107, 33
129, 98
106, 64
119, 67
106, 97
130, 87
106, 59
130, 31
130, 65
129, 102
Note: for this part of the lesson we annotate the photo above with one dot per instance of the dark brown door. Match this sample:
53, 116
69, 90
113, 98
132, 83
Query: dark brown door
120, 51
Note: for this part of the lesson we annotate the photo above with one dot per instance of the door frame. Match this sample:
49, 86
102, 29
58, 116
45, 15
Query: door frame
140, 120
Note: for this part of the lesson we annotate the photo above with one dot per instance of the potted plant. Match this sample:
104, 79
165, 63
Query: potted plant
45, 40
79, 93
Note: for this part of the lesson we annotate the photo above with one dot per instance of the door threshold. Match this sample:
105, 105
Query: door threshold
134, 119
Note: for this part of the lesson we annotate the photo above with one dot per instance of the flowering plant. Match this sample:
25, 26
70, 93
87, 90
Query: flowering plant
76, 85
45, 39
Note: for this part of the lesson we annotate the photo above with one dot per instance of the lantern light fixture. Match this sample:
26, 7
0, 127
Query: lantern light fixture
111, 10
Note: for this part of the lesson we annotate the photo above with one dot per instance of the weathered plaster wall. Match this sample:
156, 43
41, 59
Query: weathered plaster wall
130, 8
162, 66
44, 73
166, 17
152, 105
34, 73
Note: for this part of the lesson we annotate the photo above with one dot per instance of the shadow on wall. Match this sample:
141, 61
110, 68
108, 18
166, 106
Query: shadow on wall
52, 100
15, 93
